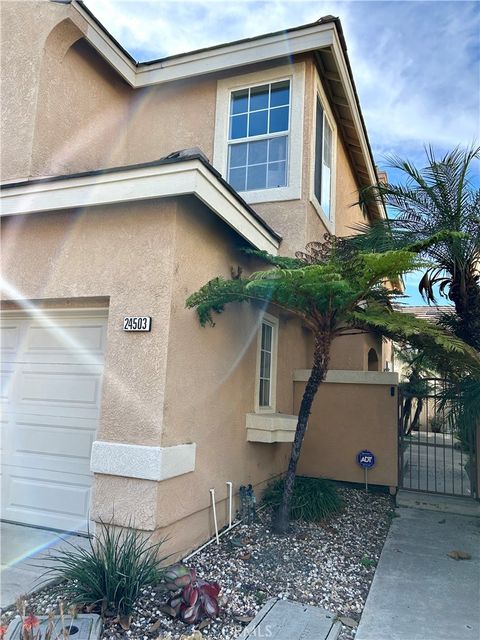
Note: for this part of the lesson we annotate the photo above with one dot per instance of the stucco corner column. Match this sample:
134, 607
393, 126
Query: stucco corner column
127, 478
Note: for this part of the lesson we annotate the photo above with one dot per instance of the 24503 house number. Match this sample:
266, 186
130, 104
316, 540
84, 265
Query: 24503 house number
137, 323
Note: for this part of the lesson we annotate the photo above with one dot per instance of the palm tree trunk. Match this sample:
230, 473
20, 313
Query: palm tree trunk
319, 370
406, 414
465, 294
416, 417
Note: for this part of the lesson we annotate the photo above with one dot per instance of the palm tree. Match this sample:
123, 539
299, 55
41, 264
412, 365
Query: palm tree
414, 387
333, 290
437, 214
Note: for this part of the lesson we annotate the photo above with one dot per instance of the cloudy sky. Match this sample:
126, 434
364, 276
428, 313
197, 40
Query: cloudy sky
416, 64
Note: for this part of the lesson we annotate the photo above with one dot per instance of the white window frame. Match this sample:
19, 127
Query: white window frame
329, 222
273, 322
296, 74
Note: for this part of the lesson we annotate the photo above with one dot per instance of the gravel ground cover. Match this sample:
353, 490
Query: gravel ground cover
329, 564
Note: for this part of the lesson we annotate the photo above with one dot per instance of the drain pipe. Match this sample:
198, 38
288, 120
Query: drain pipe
230, 517
222, 533
215, 522
230, 501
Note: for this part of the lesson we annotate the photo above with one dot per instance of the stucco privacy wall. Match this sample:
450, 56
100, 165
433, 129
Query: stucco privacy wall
345, 419
351, 351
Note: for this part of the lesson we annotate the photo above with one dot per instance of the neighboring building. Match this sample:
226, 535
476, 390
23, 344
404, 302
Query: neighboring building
104, 217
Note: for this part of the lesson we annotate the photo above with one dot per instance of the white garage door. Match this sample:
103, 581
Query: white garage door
52, 367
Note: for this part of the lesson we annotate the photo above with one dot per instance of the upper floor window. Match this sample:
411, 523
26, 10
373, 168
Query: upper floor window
259, 132
323, 160
323, 166
258, 136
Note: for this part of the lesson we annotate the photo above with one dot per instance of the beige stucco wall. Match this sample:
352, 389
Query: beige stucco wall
65, 258
211, 383
83, 254
64, 111
71, 112
25, 27
347, 418
181, 383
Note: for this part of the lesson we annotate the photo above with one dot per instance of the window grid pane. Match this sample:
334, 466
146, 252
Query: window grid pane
261, 113
260, 164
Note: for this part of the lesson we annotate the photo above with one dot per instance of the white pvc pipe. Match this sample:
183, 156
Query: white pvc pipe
209, 542
215, 521
230, 502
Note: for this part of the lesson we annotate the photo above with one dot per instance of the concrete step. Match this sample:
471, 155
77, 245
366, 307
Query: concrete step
287, 620
437, 502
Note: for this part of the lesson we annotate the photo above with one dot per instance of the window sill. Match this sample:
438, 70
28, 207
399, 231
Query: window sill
270, 427
278, 194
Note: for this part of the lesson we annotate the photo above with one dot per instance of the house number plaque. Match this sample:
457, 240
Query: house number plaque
137, 323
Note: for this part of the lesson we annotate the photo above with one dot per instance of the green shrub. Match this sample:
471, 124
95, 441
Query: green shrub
312, 500
117, 564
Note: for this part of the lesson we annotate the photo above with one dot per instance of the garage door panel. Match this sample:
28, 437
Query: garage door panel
62, 445
65, 342
34, 499
50, 407
10, 336
49, 391
7, 371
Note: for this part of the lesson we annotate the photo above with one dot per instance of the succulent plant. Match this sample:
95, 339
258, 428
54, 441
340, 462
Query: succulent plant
178, 576
193, 599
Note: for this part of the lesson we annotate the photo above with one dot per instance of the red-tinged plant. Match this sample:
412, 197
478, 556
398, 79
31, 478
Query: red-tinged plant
30, 623
3, 631
197, 600
178, 576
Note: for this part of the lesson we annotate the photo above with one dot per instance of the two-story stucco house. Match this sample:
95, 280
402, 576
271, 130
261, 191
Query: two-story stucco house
125, 187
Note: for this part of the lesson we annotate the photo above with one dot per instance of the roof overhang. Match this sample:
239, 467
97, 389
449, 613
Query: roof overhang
163, 179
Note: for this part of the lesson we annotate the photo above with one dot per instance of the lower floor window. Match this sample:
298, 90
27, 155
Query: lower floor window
267, 364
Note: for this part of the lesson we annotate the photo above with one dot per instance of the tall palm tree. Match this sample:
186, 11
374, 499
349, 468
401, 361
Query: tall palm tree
436, 213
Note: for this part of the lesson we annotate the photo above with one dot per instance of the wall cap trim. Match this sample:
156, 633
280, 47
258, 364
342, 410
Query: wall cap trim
344, 376
270, 427
140, 461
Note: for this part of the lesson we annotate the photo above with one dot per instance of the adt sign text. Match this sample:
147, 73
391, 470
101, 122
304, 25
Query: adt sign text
366, 459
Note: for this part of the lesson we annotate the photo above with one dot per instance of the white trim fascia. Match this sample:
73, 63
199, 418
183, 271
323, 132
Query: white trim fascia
107, 48
344, 376
210, 60
142, 462
350, 93
235, 55
138, 183
52, 312
296, 74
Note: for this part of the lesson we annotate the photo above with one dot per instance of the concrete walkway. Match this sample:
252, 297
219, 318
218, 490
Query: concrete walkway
418, 592
23, 551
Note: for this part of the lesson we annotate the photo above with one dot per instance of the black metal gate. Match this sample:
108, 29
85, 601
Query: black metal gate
433, 456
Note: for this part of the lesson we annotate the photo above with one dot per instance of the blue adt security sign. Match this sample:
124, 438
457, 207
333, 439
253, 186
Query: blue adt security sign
366, 459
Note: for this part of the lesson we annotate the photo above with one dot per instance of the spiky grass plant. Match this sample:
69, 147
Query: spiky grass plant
313, 498
111, 571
